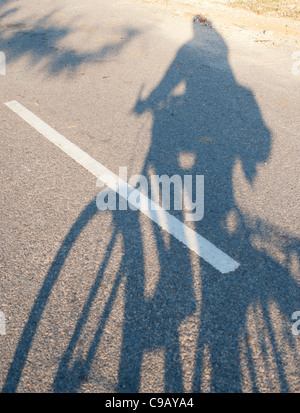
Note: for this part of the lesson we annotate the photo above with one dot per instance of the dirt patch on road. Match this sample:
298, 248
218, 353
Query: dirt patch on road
276, 8
273, 23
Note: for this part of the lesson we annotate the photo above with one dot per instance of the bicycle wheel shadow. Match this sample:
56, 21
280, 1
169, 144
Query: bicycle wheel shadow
204, 123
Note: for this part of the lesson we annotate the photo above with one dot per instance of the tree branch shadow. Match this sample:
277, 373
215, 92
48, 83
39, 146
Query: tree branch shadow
41, 43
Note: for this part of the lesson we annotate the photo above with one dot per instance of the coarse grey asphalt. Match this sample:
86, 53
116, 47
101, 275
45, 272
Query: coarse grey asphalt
107, 301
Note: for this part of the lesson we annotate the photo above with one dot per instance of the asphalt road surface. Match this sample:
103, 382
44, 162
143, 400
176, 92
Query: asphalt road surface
120, 300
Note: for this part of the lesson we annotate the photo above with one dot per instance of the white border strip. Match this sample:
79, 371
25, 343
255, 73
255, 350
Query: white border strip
195, 242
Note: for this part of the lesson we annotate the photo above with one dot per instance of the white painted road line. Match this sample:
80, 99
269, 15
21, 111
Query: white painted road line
195, 242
